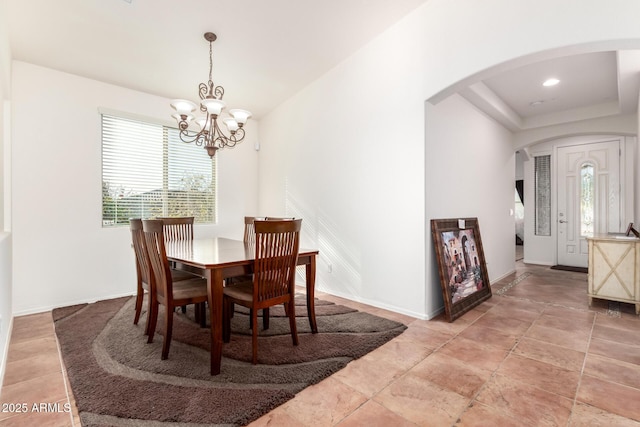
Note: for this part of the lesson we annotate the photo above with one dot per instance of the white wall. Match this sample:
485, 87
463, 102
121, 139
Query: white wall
619, 125
636, 213
6, 318
470, 172
348, 152
5, 237
330, 156
61, 253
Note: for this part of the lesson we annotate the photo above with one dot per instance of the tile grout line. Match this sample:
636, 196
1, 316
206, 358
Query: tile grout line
371, 398
473, 400
584, 364
404, 374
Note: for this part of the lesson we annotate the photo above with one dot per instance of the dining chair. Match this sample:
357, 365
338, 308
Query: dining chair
250, 237
276, 256
249, 229
144, 276
169, 293
177, 228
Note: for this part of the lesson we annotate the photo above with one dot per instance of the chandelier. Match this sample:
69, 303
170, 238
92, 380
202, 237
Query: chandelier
211, 104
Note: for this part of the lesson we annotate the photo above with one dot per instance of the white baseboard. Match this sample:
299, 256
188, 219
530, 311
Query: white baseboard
528, 261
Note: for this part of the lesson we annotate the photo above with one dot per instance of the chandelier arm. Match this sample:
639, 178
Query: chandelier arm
218, 92
218, 138
203, 90
236, 137
210, 135
191, 137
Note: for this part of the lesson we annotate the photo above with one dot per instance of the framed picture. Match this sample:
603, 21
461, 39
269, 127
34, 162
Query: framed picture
461, 263
630, 230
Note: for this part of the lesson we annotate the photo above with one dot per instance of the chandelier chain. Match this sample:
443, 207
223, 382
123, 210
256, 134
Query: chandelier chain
211, 63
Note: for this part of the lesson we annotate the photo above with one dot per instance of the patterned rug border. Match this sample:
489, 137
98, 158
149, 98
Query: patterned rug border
97, 378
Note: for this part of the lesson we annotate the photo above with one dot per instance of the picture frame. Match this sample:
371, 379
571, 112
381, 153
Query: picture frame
461, 264
631, 230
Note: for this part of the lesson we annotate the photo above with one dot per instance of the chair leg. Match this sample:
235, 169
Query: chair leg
227, 305
203, 314
265, 318
292, 322
139, 297
153, 320
149, 311
254, 336
168, 329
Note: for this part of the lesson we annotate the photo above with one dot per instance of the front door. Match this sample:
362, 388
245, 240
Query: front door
588, 197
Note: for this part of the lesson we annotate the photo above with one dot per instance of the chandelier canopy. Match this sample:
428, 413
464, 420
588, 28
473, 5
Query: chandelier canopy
210, 134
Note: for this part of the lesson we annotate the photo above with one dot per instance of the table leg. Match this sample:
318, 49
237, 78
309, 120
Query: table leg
214, 292
310, 268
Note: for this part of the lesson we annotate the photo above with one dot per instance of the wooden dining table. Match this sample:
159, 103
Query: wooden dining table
217, 259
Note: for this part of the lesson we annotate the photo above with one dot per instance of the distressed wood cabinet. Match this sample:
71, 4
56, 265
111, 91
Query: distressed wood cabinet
614, 269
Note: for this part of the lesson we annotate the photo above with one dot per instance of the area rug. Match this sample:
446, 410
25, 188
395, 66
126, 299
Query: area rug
118, 379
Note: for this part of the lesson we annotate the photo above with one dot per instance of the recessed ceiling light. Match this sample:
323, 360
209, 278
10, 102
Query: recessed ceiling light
551, 82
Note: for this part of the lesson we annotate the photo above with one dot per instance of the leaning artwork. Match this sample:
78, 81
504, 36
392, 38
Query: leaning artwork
461, 264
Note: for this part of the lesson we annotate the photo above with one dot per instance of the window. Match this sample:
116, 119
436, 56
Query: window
543, 195
147, 171
587, 197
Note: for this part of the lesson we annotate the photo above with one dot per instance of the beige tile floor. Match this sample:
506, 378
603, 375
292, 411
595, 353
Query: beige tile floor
534, 354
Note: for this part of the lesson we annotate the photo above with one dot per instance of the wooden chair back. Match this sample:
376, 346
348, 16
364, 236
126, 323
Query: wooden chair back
249, 229
142, 258
154, 238
178, 228
276, 256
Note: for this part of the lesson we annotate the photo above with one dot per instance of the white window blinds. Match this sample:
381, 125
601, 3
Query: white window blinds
147, 172
543, 195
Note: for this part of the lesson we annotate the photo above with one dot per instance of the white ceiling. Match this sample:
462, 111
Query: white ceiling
523, 91
592, 85
267, 50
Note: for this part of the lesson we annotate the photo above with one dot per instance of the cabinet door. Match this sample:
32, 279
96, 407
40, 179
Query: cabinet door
613, 271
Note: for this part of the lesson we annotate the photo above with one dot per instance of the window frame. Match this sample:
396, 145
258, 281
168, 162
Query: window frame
181, 165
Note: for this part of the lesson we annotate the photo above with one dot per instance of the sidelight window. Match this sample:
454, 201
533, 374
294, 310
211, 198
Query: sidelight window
543, 195
587, 197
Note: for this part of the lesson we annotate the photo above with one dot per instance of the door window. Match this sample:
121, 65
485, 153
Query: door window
587, 197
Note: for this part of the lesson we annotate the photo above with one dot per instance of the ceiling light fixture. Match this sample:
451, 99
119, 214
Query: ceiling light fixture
551, 82
210, 134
